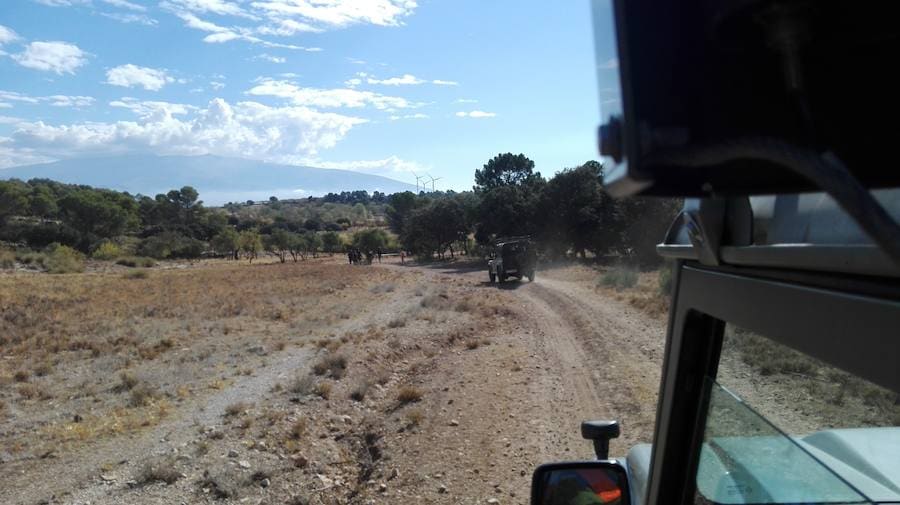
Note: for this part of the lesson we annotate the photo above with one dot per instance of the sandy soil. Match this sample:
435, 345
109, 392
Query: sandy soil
453, 390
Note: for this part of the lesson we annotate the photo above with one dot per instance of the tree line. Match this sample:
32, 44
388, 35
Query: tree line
41, 213
568, 214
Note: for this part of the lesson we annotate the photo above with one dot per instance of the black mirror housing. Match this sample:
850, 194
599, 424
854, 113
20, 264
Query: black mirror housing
580, 483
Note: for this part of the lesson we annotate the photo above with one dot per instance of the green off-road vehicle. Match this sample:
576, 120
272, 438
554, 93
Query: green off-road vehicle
512, 257
777, 122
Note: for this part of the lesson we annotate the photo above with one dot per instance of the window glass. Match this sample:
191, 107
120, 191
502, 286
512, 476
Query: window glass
783, 427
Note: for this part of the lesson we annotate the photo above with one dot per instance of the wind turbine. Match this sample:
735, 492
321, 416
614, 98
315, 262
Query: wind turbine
432, 182
417, 182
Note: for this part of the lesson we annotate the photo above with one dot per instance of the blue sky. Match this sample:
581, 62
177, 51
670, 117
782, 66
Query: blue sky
381, 86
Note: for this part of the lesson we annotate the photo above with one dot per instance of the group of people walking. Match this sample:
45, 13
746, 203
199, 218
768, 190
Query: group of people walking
355, 256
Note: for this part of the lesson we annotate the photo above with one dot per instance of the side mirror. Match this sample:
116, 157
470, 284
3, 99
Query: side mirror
580, 483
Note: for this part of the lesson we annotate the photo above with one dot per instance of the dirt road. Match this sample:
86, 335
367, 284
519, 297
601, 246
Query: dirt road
502, 378
568, 354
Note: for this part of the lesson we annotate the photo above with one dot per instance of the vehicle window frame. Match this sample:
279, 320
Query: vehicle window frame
812, 320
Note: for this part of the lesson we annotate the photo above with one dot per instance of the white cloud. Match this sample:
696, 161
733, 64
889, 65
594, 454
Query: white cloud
70, 101
220, 7
287, 28
220, 34
6, 105
476, 114
150, 109
245, 129
404, 80
465, 100
216, 85
14, 96
63, 3
58, 57
391, 164
131, 18
417, 115
407, 80
352, 83
130, 76
356, 61
325, 98
54, 100
125, 4
270, 58
339, 13
7, 35
9, 119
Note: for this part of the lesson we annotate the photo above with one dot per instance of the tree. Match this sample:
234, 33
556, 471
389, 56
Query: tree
331, 242
505, 170
250, 244
370, 239
573, 209
400, 206
97, 214
434, 227
226, 242
279, 243
13, 199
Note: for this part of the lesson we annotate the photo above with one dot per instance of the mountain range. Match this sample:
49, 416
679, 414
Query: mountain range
218, 179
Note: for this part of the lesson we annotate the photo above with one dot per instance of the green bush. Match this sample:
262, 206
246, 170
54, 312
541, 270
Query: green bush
64, 260
107, 251
136, 261
7, 259
619, 277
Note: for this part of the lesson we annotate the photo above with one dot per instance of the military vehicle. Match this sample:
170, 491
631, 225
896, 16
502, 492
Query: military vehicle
781, 372
512, 257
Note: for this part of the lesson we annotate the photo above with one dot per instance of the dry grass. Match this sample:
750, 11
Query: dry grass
236, 409
299, 428
162, 469
359, 392
323, 389
332, 365
414, 417
397, 322
409, 394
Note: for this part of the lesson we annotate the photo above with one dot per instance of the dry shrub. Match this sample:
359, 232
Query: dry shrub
43, 369
409, 394
64, 260
298, 428
439, 301
21, 376
323, 389
335, 365
127, 380
465, 305
415, 417
236, 408
107, 251
30, 391
303, 385
359, 392
143, 394
383, 288
472, 344
136, 274
397, 322
136, 262
619, 277
7, 259
160, 469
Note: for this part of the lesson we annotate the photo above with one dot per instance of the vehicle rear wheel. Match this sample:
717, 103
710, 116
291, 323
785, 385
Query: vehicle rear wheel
501, 275
493, 277
531, 276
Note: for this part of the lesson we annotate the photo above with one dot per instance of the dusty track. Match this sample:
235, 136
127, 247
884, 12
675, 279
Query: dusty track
571, 354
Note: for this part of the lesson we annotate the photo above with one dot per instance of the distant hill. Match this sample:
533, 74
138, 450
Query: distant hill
218, 179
